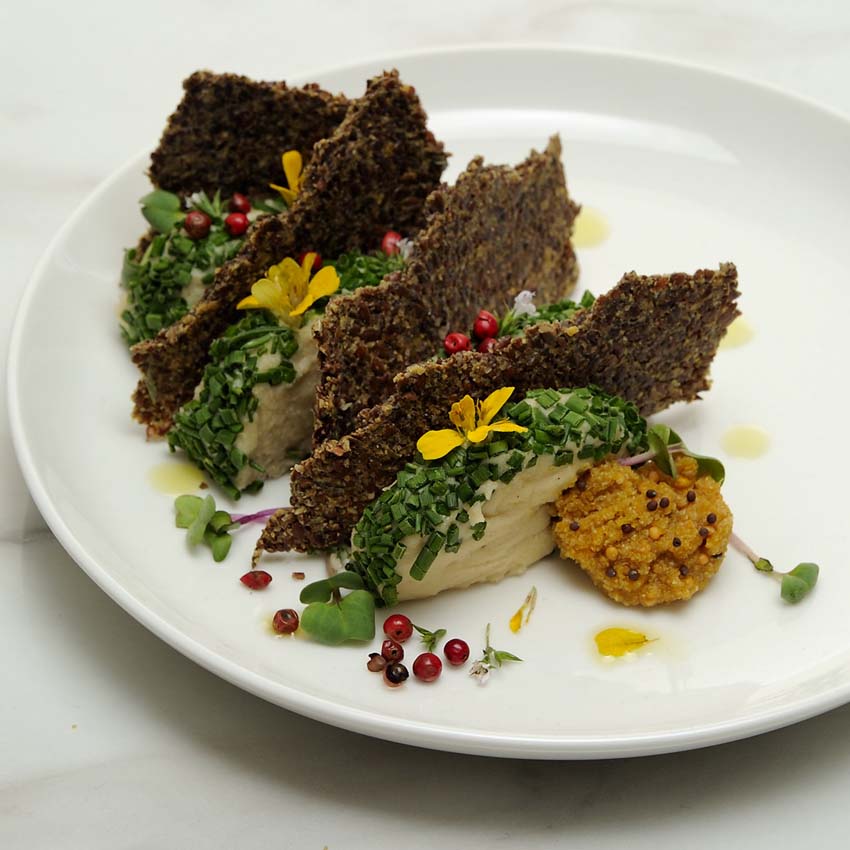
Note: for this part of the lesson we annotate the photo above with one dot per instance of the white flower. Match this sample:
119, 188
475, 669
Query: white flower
480, 672
524, 304
405, 248
192, 199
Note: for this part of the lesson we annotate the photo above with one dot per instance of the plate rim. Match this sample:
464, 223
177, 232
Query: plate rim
352, 718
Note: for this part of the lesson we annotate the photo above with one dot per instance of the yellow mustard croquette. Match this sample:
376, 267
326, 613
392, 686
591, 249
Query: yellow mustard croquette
643, 537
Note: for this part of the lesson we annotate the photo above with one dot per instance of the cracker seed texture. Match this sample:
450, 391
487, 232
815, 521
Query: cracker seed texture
497, 231
371, 175
650, 340
228, 133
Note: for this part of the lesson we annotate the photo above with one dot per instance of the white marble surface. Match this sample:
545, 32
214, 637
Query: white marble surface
113, 740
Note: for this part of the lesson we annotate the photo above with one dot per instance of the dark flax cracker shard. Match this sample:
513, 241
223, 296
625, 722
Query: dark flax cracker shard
228, 133
372, 175
497, 231
650, 340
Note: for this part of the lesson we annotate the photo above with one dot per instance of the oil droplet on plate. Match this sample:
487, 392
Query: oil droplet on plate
175, 477
739, 333
745, 441
618, 642
590, 228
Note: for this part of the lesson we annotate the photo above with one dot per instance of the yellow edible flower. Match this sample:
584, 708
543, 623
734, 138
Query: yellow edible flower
472, 421
289, 291
292, 165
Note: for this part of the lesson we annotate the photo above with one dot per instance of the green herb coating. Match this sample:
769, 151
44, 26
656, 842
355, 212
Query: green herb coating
207, 427
156, 272
604, 425
372, 175
496, 231
232, 373
560, 311
650, 340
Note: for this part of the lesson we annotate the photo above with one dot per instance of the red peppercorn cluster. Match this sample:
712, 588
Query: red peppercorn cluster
426, 667
484, 332
197, 224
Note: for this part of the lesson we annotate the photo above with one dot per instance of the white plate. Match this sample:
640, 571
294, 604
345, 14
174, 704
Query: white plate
690, 168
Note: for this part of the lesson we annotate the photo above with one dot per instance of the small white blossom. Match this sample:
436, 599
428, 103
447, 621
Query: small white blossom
524, 304
405, 248
480, 672
192, 199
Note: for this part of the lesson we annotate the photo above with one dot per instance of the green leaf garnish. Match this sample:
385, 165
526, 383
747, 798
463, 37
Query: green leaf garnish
660, 438
196, 530
664, 443
218, 543
187, 508
430, 639
161, 200
352, 618
796, 583
162, 210
204, 524
321, 591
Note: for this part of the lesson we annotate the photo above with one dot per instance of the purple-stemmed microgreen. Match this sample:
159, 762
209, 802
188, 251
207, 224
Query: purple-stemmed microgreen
796, 583
205, 524
664, 444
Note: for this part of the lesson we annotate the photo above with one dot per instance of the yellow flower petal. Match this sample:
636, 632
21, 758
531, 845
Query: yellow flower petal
292, 165
326, 282
293, 283
249, 303
491, 405
287, 194
463, 414
437, 444
268, 295
479, 434
507, 425
619, 642
307, 262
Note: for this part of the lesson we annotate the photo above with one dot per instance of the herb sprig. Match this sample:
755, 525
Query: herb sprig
430, 639
491, 659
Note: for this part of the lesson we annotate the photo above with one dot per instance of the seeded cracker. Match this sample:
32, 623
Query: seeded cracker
228, 133
372, 175
497, 231
650, 340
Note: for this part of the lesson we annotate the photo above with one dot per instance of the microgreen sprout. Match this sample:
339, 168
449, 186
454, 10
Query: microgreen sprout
430, 639
205, 524
162, 210
796, 584
664, 443
333, 619
490, 659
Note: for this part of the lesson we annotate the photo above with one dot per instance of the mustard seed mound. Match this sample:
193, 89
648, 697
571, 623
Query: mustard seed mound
643, 537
